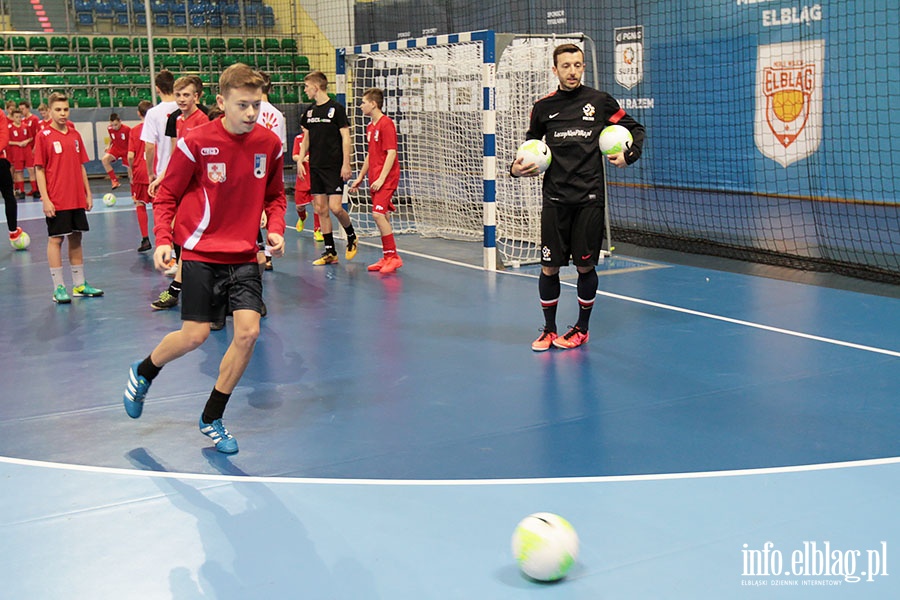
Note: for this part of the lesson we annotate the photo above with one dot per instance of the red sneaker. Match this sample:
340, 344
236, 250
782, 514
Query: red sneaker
573, 338
391, 264
543, 343
377, 266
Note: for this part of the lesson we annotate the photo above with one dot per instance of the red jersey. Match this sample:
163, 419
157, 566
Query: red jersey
302, 184
62, 156
31, 122
4, 134
118, 140
196, 119
219, 183
382, 136
139, 162
18, 134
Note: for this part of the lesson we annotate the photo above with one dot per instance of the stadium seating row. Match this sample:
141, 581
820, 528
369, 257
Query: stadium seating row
177, 13
109, 63
124, 44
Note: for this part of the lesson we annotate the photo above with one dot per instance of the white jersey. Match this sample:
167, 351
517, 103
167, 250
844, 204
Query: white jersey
273, 119
154, 132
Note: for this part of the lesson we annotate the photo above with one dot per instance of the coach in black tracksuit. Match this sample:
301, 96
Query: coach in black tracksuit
572, 215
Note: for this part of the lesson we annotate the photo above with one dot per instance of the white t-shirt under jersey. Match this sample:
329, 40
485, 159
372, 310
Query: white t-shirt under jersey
273, 119
154, 132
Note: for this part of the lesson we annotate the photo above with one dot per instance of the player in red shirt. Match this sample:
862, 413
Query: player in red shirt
32, 122
384, 175
59, 160
219, 181
137, 174
20, 140
302, 197
6, 184
117, 148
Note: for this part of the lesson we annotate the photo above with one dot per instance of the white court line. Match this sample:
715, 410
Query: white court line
453, 482
689, 311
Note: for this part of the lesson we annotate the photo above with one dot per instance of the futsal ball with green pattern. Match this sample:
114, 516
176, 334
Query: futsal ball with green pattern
545, 545
615, 139
22, 242
537, 152
109, 199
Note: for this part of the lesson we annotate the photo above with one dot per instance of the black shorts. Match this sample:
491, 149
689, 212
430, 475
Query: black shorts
571, 232
327, 181
208, 289
66, 222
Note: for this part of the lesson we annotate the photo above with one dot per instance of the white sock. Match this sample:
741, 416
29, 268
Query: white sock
56, 273
77, 275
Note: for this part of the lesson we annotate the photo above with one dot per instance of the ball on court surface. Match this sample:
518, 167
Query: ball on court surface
22, 242
545, 545
109, 199
537, 152
615, 139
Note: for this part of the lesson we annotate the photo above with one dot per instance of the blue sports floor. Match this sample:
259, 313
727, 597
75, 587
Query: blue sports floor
723, 435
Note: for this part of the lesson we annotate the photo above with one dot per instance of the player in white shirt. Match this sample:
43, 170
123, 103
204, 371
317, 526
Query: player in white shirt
157, 147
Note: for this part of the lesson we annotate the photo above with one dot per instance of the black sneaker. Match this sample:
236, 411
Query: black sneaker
145, 245
165, 301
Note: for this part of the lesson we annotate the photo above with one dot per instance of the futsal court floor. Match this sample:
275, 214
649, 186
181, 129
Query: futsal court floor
723, 435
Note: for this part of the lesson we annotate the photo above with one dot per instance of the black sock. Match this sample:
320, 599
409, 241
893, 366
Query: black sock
548, 288
351, 233
148, 370
587, 292
329, 243
175, 288
215, 406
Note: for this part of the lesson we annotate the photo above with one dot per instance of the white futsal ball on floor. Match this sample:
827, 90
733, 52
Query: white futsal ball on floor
22, 242
109, 199
615, 139
537, 152
545, 546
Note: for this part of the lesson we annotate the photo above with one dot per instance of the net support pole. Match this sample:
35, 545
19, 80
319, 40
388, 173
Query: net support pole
489, 133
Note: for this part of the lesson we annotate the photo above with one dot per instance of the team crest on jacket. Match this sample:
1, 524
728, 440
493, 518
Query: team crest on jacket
588, 110
788, 123
216, 172
331, 113
259, 165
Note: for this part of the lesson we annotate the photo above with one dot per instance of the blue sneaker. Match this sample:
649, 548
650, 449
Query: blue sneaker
135, 391
216, 431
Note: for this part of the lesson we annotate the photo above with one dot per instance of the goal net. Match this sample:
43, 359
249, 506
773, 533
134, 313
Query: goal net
461, 104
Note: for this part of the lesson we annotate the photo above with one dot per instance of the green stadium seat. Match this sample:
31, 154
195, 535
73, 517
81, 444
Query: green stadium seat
120, 81
289, 45
247, 59
121, 44
139, 44
26, 62
6, 62
161, 45
85, 102
274, 97
235, 45
229, 59
131, 101
180, 45
77, 80
59, 43
57, 80
132, 62
281, 63
36, 97
301, 62
34, 79
140, 80
199, 45
91, 62
46, 62
2, 43
38, 43
171, 62
209, 99
81, 44
271, 45
190, 63
252, 44
17, 42
101, 44
217, 44
67, 63
9, 80
291, 98
110, 63
103, 95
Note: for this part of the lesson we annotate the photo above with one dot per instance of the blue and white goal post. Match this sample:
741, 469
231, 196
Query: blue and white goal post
441, 90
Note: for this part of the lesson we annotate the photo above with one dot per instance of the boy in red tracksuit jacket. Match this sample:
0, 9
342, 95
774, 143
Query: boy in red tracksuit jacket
219, 180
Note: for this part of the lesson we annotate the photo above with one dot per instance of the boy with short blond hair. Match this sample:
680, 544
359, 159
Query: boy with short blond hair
223, 175
59, 157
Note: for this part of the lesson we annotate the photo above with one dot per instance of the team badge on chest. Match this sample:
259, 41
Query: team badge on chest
259, 165
216, 172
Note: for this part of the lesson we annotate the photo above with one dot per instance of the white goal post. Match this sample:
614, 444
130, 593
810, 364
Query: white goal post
461, 103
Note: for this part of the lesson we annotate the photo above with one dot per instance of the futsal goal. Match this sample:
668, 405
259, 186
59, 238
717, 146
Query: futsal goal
461, 103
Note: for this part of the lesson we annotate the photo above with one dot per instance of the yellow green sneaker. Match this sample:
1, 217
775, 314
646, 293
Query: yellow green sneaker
86, 289
60, 295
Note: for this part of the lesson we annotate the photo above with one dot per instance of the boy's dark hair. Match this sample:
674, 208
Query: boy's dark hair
165, 81
267, 82
144, 106
114, 117
565, 49
376, 95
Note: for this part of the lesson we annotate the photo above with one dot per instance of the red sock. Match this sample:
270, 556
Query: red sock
141, 210
20, 186
112, 176
316, 224
388, 245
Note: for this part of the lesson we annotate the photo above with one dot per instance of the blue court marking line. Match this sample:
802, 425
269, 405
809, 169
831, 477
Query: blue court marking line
688, 311
453, 482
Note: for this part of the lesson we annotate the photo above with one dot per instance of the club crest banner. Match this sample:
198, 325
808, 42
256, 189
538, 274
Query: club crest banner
788, 116
629, 53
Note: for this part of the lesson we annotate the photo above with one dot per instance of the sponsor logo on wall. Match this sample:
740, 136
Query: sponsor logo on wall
788, 116
629, 53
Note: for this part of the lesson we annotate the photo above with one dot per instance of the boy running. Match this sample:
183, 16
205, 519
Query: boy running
118, 147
